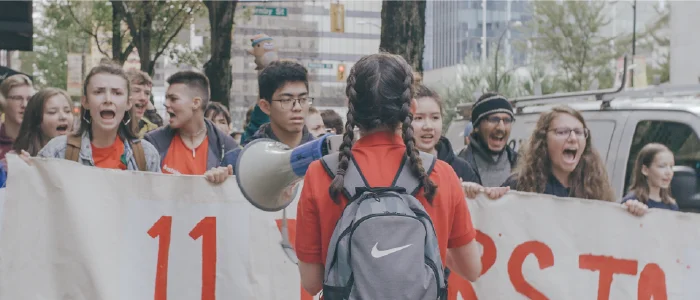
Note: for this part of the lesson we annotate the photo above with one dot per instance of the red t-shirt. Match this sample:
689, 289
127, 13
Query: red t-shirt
379, 156
109, 157
180, 160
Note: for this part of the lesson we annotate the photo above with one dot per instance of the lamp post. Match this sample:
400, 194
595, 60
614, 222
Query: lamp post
634, 39
498, 49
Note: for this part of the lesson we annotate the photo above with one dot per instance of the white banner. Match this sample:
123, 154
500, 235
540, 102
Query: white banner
74, 232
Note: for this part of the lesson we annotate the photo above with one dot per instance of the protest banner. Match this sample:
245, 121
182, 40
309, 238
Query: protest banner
74, 232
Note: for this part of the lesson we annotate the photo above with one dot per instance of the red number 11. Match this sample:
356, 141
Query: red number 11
206, 229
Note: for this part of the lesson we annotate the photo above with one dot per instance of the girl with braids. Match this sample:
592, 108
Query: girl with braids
380, 103
559, 160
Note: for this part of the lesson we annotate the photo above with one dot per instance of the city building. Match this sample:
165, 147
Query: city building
302, 31
455, 31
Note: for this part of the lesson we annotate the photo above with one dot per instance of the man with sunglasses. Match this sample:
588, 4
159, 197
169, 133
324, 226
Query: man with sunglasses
488, 154
284, 97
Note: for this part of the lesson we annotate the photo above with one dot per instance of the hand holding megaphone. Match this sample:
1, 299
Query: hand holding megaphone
268, 172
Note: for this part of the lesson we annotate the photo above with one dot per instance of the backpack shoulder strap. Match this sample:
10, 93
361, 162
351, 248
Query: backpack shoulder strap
139, 154
353, 176
73, 144
405, 177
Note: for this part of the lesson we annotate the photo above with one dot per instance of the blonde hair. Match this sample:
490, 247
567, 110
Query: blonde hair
139, 77
10, 83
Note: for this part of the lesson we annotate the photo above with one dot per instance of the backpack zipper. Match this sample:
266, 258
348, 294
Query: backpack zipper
432, 265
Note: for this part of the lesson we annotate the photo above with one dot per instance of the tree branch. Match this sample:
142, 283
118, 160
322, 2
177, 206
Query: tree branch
167, 25
164, 46
84, 29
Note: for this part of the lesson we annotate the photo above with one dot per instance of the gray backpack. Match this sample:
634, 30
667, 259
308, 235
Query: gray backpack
384, 245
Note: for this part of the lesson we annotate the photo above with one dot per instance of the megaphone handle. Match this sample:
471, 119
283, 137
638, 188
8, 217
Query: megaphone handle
285, 237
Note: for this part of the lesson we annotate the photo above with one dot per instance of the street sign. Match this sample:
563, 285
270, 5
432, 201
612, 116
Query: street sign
320, 66
269, 11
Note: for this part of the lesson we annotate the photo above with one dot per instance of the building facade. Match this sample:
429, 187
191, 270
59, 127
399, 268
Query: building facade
455, 31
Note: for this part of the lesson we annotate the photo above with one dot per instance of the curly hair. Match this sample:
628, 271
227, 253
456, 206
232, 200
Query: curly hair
380, 91
640, 185
589, 180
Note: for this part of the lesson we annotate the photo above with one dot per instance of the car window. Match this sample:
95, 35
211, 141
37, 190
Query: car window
601, 135
678, 137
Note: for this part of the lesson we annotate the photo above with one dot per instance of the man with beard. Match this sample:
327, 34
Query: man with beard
488, 153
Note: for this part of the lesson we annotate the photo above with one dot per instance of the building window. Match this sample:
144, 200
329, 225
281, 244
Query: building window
678, 137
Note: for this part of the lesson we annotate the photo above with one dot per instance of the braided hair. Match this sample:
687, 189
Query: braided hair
380, 91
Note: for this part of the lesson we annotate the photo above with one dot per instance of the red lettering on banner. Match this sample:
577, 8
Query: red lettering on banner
162, 230
457, 284
292, 232
206, 229
545, 258
652, 283
607, 266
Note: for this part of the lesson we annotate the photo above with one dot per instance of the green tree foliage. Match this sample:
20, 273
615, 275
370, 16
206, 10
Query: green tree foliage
569, 35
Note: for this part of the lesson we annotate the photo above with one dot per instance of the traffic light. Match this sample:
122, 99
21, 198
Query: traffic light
341, 72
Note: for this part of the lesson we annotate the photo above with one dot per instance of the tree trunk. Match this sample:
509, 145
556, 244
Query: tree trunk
218, 68
144, 45
403, 30
117, 33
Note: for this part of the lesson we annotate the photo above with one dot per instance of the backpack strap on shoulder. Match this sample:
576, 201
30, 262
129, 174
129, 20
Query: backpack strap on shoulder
405, 177
353, 176
73, 145
139, 154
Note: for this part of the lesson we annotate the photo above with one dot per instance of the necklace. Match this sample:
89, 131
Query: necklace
192, 137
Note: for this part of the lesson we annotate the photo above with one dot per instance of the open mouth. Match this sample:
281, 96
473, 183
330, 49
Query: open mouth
171, 115
427, 138
498, 137
107, 114
139, 106
570, 155
62, 128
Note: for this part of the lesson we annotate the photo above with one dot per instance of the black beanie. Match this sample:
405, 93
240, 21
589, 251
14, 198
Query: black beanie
490, 105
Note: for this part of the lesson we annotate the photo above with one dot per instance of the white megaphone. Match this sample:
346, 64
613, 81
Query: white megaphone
268, 172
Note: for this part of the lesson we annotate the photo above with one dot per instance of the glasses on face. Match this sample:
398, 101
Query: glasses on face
563, 133
288, 103
16, 98
494, 120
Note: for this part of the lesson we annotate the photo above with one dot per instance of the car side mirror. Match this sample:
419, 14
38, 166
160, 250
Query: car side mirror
684, 188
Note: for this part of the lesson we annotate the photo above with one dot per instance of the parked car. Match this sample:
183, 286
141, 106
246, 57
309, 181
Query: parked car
621, 123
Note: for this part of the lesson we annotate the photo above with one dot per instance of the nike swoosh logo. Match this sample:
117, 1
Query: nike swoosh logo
376, 253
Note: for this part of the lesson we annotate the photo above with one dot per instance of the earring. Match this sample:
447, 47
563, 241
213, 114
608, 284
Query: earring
129, 120
86, 113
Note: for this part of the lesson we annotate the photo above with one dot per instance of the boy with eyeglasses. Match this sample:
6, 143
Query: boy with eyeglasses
284, 97
488, 153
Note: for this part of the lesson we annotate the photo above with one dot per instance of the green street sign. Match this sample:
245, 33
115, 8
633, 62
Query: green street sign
320, 66
269, 11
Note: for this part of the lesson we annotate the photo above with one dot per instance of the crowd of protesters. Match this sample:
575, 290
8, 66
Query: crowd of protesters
390, 117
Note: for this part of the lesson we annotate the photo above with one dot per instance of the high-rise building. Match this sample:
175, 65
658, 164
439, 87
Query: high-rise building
455, 31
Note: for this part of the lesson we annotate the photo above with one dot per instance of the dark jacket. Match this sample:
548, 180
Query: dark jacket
258, 118
264, 132
219, 143
461, 167
467, 154
553, 186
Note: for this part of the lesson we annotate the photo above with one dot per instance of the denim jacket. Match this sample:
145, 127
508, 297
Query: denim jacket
56, 148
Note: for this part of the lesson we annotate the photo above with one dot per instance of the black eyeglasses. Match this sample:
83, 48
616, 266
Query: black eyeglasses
563, 133
494, 120
288, 103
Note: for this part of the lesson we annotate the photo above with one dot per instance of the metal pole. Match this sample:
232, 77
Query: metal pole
634, 40
509, 58
483, 31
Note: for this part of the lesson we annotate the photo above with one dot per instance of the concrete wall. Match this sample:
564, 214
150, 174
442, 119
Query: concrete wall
685, 44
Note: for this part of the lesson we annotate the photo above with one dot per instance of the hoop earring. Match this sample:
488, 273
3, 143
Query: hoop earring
129, 120
86, 113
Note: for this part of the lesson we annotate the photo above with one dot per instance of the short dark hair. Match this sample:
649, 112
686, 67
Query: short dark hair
312, 110
277, 74
422, 91
217, 109
194, 80
332, 119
